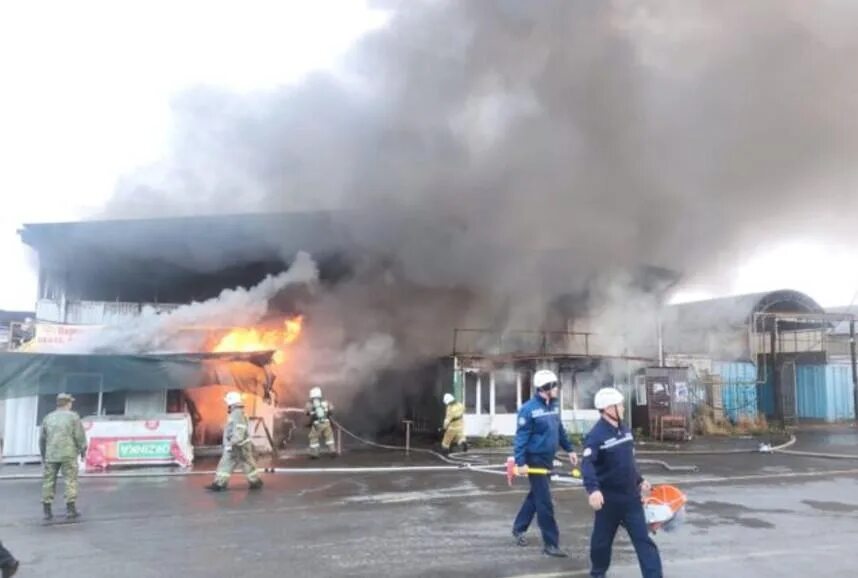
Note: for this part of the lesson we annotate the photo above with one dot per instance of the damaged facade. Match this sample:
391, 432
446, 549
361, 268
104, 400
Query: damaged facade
492, 374
91, 277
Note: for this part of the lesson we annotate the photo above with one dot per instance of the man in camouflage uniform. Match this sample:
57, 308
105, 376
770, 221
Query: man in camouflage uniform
454, 424
61, 441
237, 447
320, 412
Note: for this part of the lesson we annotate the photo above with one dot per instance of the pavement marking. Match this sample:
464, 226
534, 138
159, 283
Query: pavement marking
707, 560
435, 495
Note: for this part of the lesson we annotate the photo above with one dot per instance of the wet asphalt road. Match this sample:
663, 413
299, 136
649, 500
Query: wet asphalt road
784, 516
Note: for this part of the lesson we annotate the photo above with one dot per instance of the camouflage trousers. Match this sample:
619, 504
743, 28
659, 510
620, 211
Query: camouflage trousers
318, 431
454, 435
49, 480
237, 456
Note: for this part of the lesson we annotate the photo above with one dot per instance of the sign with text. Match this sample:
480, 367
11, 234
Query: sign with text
113, 441
50, 336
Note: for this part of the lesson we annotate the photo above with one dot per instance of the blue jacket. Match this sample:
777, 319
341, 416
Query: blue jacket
608, 462
540, 430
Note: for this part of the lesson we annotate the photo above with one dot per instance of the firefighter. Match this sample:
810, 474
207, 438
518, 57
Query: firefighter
237, 447
320, 412
61, 441
539, 432
614, 484
454, 424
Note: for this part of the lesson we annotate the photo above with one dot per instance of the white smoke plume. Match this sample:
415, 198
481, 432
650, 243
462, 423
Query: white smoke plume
169, 332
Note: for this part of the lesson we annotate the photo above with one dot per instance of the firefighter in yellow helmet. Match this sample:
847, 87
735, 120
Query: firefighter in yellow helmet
454, 424
320, 411
237, 447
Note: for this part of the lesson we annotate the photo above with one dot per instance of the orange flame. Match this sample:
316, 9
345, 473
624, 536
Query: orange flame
251, 339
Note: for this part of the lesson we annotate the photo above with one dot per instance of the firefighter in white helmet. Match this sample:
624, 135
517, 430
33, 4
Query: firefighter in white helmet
539, 433
237, 447
320, 412
454, 424
614, 484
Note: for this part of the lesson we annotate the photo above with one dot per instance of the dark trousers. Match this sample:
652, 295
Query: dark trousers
538, 502
627, 510
5, 556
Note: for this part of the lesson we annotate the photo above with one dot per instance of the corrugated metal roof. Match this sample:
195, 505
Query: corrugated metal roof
738, 310
7, 317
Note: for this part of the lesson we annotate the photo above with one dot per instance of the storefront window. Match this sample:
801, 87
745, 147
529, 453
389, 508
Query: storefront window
567, 389
586, 386
113, 403
85, 404
470, 393
505, 394
485, 393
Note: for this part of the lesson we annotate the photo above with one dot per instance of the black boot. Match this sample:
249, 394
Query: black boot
71, 511
49, 515
10, 568
216, 487
255, 485
464, 446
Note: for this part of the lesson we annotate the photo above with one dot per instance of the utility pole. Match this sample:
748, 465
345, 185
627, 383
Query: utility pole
854, 364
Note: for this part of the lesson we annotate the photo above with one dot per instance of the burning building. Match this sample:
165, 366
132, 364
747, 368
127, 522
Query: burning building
120, 331
213, 289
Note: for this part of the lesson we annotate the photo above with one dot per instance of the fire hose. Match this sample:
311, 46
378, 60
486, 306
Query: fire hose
454, 462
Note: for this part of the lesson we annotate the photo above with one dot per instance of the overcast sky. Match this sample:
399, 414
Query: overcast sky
86, 94
87, 88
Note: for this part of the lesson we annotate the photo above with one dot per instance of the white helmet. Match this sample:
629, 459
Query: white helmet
232, 398
315, 393
448, 398
606, 397
544, 379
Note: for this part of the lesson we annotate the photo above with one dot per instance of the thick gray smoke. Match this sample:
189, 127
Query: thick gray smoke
522, 151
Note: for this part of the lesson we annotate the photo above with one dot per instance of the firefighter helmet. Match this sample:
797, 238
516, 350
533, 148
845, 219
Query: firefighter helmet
606, 397
545, 379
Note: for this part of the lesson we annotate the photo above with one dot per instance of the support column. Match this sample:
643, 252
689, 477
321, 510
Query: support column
777, 389
854, 365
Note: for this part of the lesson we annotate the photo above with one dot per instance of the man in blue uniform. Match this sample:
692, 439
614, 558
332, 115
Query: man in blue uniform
540, 431
612, 480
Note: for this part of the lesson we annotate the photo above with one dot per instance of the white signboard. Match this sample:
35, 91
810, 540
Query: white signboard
160, 440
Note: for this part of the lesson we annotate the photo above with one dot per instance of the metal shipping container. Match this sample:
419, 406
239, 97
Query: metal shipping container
825, 392
738, 388
766, 395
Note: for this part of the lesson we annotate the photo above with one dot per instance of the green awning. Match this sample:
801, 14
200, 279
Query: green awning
27, 374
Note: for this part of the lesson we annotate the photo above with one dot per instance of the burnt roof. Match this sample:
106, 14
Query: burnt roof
202, 243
